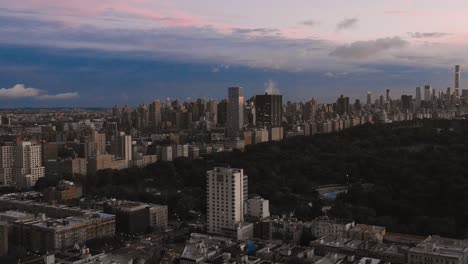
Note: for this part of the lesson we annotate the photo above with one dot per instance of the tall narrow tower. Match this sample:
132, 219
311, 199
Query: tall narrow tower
418, 97
457, 80
235, 112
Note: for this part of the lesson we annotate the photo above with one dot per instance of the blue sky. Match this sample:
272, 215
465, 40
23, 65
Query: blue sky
70, 53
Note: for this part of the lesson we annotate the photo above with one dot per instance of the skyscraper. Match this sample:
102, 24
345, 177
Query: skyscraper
418, 97
406, 101
369, 98
235, 112
155, 114
457, 80
342, 105
427, 93
387, 97
222, 112
226, 194
269, 110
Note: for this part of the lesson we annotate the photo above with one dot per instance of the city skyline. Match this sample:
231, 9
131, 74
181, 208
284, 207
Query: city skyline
79, 54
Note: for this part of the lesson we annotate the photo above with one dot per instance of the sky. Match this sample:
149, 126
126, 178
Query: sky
100, 53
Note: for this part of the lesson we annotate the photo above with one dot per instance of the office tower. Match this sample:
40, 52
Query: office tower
222, 112
427, 93
369, 98
387, 97
342, 105
125, 146
235, 112
155, 114
226, 194
406, 101
418, 97
457, 80
269, 110
381, 102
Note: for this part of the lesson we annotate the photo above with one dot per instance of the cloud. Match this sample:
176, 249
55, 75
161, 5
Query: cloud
60, 96
420, 35
347, 23
335, 74
20, 91
310, 23
271, 87
366, 49
261, 31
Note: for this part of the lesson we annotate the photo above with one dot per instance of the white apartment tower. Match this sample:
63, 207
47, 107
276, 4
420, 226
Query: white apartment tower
226, 195
235, 112
21, 164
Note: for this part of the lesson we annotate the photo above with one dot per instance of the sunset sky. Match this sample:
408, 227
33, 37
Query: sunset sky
100, 53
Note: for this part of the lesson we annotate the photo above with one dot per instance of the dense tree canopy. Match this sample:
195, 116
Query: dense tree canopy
419, 177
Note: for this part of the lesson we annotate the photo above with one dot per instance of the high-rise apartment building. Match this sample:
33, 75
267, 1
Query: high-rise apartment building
342, 105
21, 164
269, 110
226, 194
235, 111
155, 113
100, 140
125, 146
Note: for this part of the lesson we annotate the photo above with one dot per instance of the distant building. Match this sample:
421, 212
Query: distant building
437, 249
21, 164
235, 112
269, 110
457, 80
136, 217
11, 216
257, 208
106, 161
64, 191
326, 226
418, 97
48, 234
367, 233
427, 93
